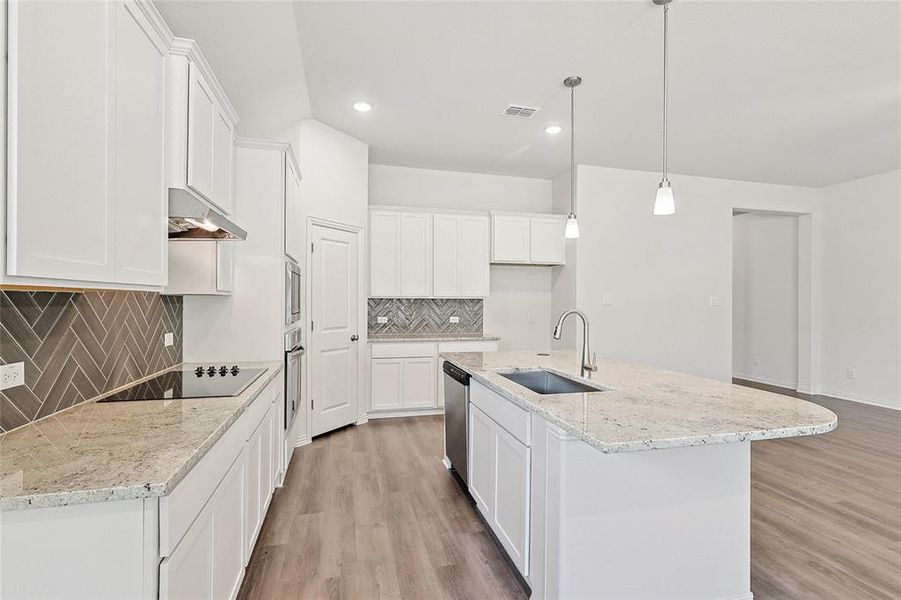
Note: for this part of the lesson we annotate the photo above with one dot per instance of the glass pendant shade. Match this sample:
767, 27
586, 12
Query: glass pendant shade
572, 227
665, 204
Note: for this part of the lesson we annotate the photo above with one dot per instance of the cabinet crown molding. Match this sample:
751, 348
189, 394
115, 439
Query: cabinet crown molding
258, 144
191, 50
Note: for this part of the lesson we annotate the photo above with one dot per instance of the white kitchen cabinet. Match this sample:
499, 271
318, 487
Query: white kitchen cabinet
419, 383
400, 255
386, 380
252, 515
86, 191
461, 247
294, 227
528, 239
201, 267
200, 128
187, 572
499, 470
228, 532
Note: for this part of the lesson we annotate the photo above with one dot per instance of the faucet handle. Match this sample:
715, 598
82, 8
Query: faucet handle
593, 365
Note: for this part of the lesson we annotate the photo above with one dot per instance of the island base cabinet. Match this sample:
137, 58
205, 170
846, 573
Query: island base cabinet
670, 523
499, 482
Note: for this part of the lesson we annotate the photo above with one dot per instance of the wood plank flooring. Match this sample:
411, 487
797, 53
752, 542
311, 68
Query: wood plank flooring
369, 512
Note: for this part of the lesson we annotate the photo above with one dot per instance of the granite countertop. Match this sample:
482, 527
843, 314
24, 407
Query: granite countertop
645, 408
432, 337
97, 452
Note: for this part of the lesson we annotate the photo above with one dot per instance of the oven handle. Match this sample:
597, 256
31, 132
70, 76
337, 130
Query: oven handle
296, 351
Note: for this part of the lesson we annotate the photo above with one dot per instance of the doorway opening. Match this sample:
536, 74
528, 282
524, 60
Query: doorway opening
771, 299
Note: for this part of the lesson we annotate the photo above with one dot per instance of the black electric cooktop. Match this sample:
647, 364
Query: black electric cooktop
194, 382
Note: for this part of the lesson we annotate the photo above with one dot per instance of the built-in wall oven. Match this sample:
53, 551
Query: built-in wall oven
293, 292
293, 375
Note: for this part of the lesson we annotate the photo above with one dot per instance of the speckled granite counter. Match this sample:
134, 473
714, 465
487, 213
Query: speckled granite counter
97, 452
432, 337
646, 408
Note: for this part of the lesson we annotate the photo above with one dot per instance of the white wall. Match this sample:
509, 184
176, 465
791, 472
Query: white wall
519, 307
859, 280
661, 272
765, 298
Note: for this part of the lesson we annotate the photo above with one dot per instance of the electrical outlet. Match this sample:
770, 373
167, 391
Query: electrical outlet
455, 319
531, 319
714, 301
12, 375
607, 300
756, 361
851, 374
168, 339
382, 320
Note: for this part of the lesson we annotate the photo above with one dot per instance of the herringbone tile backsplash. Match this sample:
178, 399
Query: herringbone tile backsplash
76, 346
425, 315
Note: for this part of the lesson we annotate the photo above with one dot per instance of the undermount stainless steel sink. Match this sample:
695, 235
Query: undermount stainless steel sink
547, 382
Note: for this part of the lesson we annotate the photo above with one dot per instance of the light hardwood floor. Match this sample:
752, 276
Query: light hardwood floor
370, 512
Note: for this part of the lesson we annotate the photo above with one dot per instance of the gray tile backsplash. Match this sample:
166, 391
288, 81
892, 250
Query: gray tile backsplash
425, 315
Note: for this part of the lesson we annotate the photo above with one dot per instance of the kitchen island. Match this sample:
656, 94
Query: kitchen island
638, 490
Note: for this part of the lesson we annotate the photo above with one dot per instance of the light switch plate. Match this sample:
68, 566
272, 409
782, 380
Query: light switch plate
12, 375
714, 301
168, 339
607, 300
382, 320
851, 374
455, 319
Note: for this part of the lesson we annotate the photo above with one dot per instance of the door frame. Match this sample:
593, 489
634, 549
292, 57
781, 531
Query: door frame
362, 313
808, 316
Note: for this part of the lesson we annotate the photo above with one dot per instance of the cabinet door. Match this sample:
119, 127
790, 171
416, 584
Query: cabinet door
510, 239
510, 518
474, 256
446, 267
225, 266
386, 375
416, 255
481, 461
548, 246
278, 439
384, 248
223, 138
140, 193
202, 115
188, 571
265, 463
228, 532
60, 204
293, 221
252, 508
419, 383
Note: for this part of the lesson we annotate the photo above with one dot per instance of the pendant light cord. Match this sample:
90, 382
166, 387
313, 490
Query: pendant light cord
572, 150
665, 85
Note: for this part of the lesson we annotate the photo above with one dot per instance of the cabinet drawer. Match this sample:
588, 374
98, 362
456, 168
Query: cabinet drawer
259, 408
506, 414
404, 350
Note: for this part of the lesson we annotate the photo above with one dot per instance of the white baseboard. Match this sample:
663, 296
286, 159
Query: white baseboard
363, 420
419, 412
861, 399
446, 462
757, 379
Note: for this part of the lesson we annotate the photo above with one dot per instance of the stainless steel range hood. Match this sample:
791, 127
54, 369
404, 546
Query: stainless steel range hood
190, 218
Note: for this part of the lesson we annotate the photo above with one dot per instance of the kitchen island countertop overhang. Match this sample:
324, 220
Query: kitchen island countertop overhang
644, 408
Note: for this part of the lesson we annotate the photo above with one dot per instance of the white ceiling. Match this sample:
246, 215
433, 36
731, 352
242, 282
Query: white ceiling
794, 92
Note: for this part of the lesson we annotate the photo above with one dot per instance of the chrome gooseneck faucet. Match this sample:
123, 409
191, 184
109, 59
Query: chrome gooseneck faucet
588, 367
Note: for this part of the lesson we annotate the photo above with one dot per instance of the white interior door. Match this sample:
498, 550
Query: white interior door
334, 329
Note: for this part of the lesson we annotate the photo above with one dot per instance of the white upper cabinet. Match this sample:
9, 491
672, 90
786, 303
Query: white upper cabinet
294, 226
86, 202
200, 127
461, 255
201, 268
400, 256
428, 255
528, 239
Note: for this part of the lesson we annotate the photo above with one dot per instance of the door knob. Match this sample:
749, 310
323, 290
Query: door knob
354, 337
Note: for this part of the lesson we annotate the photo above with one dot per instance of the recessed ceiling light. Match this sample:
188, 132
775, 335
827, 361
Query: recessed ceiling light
361, 106
553, 129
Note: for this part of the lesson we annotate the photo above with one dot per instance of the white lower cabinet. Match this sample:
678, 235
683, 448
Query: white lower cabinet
187, 573
403, 376
228, 533
419, 383
499, 473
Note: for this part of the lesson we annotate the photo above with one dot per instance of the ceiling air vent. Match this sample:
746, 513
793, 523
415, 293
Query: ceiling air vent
522, 112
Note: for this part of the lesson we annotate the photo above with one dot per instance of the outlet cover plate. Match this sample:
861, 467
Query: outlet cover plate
455, 319
168, 339
12, 375
382, 320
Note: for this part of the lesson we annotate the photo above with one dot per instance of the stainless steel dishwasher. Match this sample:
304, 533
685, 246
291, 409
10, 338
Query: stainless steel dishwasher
456, 418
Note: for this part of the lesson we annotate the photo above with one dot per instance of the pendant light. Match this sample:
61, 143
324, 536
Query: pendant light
665, 204
572, 225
